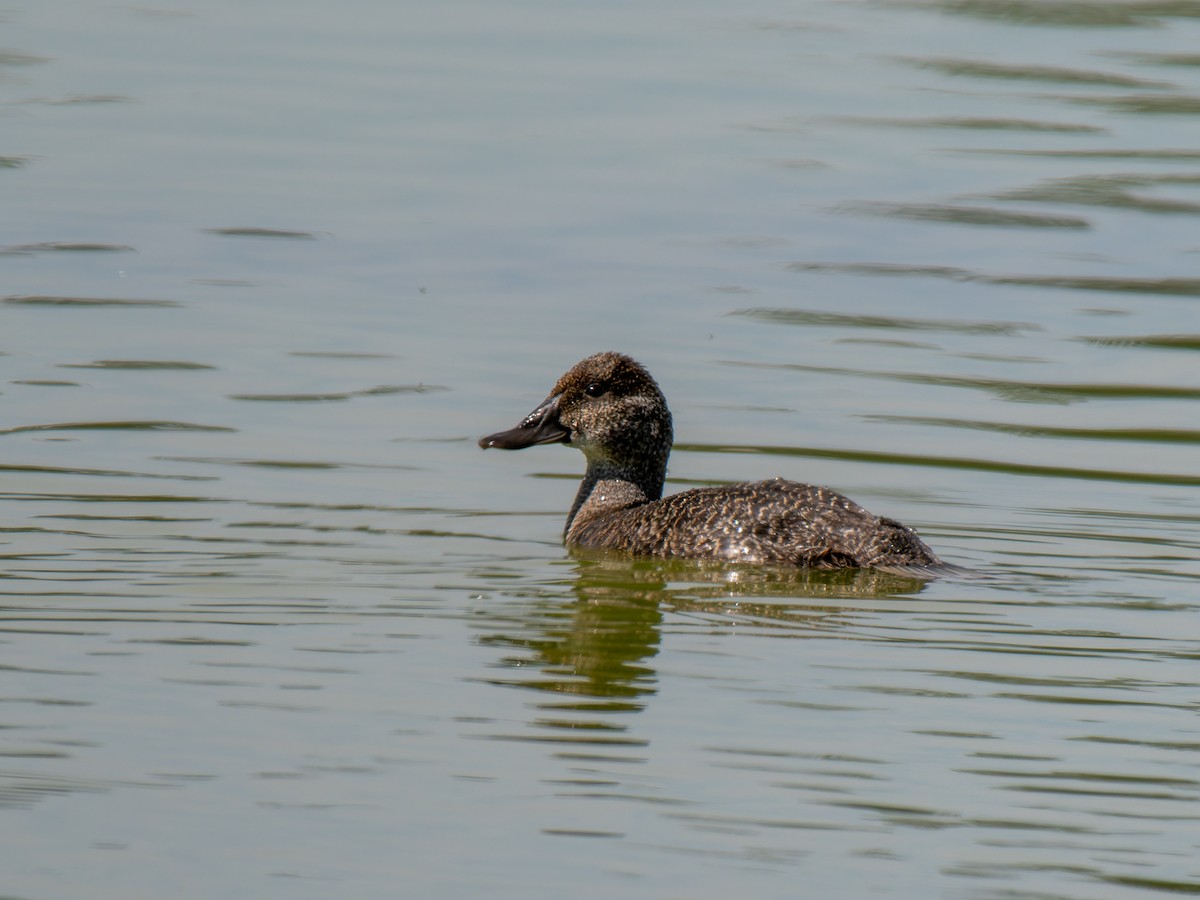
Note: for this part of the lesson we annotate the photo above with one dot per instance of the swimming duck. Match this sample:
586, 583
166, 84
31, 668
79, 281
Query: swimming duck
610, 407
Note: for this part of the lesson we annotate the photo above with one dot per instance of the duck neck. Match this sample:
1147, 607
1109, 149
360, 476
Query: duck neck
607, 487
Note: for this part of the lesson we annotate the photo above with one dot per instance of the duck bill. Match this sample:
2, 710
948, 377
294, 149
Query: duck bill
539, 427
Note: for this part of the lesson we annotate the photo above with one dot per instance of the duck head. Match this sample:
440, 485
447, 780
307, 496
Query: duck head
609, 407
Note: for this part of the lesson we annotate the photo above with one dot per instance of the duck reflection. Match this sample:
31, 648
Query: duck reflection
599, 645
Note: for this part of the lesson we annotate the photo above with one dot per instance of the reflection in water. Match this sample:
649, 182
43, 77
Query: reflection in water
594, 647
598, 645
691, 584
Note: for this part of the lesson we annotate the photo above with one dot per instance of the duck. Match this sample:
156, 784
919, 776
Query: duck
609, 407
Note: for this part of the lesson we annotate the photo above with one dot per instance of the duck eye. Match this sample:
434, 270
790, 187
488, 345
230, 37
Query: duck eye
596, 389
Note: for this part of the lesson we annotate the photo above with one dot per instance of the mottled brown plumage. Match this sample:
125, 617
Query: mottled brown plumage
609, 407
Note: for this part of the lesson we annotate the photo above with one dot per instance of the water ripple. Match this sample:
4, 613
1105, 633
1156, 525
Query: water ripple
341, 395
813, 318
953, 462
1171, 287
966, 215
131, 425
1142, 104
1060, 13
1146, 154
1009, 389
52, 300
1130, 434
153, 365
975, 68
65, 247
1155, 341
263, 233
31, 469
1109, 191
971, 123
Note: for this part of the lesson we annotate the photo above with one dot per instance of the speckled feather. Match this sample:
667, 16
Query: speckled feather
610, 407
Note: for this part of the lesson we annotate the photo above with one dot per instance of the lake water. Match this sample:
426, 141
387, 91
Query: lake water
272, 625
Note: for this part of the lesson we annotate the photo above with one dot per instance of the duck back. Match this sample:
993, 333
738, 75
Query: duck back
775, 522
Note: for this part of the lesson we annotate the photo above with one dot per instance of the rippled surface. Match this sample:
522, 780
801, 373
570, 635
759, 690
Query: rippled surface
271, 624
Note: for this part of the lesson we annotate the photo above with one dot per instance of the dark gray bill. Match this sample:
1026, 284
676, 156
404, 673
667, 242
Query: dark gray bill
539, 427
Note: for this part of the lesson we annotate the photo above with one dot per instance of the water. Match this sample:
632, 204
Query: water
272, 625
